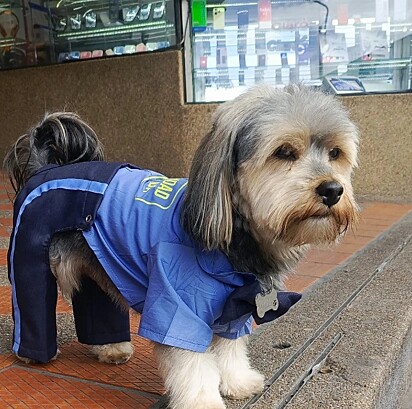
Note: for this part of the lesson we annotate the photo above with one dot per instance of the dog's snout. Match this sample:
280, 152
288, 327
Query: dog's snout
330, 192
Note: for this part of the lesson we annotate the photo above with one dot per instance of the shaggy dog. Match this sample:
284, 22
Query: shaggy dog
196, 257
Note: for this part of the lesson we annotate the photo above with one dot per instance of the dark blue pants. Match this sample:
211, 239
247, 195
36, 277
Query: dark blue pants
98, 320
57, 198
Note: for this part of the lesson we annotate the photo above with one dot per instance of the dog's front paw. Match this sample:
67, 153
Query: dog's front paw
117, 353
242, 385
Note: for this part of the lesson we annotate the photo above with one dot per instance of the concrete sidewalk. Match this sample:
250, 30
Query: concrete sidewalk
353, 319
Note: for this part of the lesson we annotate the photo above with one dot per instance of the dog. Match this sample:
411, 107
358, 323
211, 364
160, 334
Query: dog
270, 179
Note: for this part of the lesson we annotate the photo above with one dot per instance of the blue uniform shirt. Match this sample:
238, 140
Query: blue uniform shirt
179, 288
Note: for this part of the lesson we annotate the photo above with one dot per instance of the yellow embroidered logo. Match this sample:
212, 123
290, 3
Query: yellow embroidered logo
165, 190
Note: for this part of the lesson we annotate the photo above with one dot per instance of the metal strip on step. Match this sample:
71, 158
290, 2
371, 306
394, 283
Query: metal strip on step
312, 370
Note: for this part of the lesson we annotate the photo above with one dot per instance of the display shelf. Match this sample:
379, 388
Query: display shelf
390, 64
12, 42
129, 29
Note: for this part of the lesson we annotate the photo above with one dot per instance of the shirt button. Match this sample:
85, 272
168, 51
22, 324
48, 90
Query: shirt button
89, 218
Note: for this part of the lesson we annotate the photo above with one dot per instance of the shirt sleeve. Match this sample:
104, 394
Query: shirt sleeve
241, 304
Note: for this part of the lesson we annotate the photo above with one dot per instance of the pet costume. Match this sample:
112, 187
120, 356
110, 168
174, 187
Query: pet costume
131, 220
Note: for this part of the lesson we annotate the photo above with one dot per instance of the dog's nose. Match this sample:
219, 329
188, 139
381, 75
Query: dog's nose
330, 192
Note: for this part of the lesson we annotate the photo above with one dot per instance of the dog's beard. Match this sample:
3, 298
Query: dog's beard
296, 216
315, 223
316, 229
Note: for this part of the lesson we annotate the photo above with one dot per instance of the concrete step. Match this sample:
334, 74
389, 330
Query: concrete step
348, 343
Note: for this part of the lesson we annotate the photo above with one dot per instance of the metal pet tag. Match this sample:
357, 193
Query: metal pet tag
266, 301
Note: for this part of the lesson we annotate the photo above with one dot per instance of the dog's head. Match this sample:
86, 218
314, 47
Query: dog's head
280, 160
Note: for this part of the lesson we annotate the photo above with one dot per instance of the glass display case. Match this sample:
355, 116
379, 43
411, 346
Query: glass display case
16, 47
96, 28
343, 46
70, 30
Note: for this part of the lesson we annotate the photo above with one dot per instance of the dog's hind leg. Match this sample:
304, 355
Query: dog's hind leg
34, 297
238, 379
101, 313
102, 323
191, 378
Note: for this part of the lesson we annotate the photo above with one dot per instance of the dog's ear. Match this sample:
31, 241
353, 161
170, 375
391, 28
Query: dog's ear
207, 210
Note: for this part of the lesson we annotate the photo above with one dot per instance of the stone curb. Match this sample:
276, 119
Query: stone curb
350, 336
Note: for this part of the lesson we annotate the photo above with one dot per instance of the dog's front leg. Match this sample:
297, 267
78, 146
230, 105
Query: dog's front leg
238, 379
191, 378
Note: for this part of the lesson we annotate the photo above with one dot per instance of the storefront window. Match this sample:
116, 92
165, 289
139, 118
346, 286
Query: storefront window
344, 46
46, 32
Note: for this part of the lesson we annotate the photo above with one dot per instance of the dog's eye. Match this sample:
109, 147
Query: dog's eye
334, 153
285, 152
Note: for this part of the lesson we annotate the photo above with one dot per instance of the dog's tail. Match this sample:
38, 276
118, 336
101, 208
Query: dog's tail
60, 138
